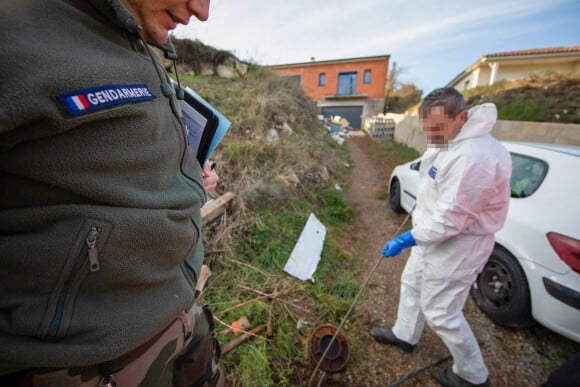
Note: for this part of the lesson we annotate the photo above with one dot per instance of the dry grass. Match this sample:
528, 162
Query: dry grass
277, 185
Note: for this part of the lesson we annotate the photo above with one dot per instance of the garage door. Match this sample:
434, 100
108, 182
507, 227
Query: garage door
351, 113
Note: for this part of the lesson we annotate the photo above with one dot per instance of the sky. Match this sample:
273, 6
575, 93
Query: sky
431, 42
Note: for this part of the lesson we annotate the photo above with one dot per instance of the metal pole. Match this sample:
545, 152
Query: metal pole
351, 307
417, 372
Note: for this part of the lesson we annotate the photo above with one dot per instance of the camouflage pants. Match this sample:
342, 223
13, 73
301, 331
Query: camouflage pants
184, 354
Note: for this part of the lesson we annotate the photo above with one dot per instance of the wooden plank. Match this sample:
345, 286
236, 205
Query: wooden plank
203, 276
242, 339
216, 207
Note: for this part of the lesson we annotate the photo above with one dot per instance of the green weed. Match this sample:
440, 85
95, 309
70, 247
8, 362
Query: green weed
518, 108
277, 186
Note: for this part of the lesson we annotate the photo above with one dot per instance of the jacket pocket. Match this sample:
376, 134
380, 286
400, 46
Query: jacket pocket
192, 263
83, 262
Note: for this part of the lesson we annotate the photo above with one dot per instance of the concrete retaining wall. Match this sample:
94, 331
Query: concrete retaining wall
408, 131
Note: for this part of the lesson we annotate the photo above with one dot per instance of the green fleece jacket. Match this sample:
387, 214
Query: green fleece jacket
100, 195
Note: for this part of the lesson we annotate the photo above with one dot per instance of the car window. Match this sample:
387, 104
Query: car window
527, 175
415, 166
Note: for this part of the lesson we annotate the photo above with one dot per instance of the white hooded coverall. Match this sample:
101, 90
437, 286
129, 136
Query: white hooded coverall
462, 201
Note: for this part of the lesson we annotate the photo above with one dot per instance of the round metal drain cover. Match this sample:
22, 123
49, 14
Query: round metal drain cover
338, 353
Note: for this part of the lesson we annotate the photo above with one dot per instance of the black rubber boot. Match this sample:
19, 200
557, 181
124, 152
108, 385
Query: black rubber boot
447, 378
386, 336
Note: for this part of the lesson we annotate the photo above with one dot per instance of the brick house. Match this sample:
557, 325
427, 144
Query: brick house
513, 65
352, 88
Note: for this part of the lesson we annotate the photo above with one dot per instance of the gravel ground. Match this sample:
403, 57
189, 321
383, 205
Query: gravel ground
514, 357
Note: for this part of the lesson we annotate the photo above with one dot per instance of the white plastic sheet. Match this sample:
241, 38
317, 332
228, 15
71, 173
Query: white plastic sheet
305, 256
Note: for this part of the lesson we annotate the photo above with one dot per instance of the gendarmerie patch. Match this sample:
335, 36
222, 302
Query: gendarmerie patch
95, 98
433, 172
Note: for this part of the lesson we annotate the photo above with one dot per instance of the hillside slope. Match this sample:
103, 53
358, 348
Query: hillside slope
548, 98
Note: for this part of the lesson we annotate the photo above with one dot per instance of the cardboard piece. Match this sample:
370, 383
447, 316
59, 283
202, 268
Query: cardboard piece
305, 256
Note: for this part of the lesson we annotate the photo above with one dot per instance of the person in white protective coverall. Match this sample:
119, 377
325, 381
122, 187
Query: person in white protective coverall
462, 201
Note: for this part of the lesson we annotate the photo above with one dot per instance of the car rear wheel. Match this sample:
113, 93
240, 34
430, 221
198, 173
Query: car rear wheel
501, 291
395, 197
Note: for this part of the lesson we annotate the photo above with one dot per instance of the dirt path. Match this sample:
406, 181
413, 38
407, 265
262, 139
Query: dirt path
514, 357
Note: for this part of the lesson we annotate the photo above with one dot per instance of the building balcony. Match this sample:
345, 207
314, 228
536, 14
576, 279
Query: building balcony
334, 97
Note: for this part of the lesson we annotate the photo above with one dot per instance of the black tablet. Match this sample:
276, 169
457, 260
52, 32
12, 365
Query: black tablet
200, 124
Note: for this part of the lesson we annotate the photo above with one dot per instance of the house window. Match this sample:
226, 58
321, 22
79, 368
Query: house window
322, 79
367, 77
297, 79
346, 83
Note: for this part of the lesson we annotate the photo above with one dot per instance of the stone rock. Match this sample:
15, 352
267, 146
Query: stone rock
272, 138
323, 172
287, 130
196, 58
288, 180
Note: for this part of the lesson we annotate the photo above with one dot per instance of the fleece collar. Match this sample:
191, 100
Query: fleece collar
115, 10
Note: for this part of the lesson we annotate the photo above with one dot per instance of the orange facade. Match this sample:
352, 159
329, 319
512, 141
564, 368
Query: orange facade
376, 69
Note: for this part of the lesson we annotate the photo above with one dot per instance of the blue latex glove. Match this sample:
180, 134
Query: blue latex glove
396, 245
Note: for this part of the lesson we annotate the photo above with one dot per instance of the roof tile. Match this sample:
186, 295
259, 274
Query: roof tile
536, 51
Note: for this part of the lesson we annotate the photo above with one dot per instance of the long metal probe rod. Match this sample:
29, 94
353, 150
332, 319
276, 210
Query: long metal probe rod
418, 371
352, 306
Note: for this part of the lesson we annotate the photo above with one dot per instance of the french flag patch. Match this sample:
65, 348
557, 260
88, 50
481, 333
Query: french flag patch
95, 98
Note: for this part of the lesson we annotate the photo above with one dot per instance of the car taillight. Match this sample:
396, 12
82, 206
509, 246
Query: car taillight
568, 249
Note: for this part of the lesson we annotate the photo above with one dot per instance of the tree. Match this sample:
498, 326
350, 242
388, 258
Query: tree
403, 98
400, 96
392, 84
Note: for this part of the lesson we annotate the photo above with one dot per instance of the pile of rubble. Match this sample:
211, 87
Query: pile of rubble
338, 127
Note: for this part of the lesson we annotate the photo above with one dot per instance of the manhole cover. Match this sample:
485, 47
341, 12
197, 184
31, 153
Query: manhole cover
338, 353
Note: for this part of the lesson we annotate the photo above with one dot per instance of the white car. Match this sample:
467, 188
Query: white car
533, 273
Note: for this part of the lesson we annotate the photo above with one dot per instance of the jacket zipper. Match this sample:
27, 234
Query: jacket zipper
91, 242
90, 249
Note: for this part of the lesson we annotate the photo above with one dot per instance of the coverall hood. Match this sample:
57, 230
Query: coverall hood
480, 121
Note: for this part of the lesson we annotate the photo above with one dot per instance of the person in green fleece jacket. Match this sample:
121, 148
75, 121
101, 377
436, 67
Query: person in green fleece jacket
100, 198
